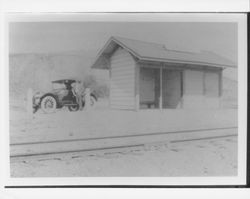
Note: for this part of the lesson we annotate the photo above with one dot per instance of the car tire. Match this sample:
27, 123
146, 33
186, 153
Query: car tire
48, 104
73, 108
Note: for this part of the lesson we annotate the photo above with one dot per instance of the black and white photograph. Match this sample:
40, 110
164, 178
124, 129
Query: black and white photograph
128, 96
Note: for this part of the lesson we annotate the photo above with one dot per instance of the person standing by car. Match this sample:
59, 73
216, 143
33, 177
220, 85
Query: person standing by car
78, 91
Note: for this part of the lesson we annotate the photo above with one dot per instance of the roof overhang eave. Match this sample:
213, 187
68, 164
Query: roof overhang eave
94, 64
101, 52
185, 62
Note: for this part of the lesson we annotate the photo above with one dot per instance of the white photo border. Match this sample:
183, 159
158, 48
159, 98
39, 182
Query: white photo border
241, 19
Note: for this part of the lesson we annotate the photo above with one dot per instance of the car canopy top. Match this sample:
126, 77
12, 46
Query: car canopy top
66, 81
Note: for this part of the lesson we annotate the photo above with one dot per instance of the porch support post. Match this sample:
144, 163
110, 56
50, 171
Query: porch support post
137, 87
220, 83
220, 88
160, 100
110, 82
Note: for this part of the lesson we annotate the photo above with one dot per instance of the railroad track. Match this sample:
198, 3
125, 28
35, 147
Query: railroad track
39, 148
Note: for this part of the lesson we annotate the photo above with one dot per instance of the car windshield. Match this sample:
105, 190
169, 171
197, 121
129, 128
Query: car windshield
58, 86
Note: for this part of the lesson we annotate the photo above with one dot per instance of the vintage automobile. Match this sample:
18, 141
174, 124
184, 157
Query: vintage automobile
61, 95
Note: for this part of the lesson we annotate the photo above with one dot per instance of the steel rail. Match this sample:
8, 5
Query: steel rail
116, 147
120, 136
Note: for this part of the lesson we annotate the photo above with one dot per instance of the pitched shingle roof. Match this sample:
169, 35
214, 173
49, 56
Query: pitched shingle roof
147, 51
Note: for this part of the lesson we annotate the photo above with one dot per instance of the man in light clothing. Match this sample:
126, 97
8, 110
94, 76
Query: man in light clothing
78, 91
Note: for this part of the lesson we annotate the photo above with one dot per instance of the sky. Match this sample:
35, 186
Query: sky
89, 37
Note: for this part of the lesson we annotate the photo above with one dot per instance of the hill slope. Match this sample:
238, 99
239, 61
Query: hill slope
38, 70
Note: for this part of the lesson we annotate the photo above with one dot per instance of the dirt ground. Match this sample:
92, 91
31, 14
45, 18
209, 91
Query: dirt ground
101, 122
215, 157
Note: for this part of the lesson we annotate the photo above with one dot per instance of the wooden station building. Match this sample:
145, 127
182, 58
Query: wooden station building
146, 75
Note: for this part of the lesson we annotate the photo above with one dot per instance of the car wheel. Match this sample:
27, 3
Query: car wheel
92, 101
48, 104
73, 108
35, 109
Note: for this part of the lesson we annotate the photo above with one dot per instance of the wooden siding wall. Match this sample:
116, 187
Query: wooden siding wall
122, 85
